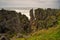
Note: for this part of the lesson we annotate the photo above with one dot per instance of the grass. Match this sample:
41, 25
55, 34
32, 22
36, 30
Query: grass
49, 34
20, 39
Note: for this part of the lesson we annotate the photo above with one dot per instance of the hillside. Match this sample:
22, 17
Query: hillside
49, 34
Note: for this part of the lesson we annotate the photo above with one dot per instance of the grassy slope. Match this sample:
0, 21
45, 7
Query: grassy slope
50, 34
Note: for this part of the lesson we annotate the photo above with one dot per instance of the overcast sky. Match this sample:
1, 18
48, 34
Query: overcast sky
30, 3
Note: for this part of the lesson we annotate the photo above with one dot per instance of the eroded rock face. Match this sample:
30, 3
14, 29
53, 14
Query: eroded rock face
7, 20
4, 38
12, 21
19, 35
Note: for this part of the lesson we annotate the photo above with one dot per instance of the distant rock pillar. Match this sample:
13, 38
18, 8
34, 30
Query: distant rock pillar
32, 20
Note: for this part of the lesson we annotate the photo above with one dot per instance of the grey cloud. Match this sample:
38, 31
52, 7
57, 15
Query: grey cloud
30, 3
